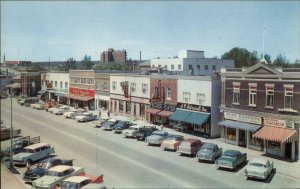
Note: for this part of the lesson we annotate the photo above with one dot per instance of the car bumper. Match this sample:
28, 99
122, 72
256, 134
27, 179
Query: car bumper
19, 163
205, 158
29, 179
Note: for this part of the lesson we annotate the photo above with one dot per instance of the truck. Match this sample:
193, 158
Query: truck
18, 144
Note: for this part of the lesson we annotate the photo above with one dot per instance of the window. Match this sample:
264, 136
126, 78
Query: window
179, 67
55, 83
166, 67
288, 97
98, 85
61, 84
121, 106
159, 65
172, 66
128, 107
198, 67
213, 67
144, 87
186, 97
269, 97
190, 66
236, 93
252, 94
105, 86
200, 98
114, 84
142, 109
66, 85
133, 87
206, 67
169, 93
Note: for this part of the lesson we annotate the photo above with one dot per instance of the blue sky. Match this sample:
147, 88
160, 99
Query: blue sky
61, 29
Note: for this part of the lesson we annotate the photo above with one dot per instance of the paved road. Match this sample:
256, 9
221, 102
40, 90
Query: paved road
127, 163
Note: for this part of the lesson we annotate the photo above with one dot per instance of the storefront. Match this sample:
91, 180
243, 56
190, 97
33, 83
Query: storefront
82, 98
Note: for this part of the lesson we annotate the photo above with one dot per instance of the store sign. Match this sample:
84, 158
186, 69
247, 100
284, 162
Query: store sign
242, 117
84, 92
278, 123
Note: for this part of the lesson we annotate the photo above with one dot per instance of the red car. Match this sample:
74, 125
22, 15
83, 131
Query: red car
80, 181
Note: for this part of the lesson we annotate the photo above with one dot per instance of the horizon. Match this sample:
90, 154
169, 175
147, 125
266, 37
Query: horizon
37, 31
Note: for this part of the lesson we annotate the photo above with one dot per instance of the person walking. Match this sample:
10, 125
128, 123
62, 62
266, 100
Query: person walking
108, 113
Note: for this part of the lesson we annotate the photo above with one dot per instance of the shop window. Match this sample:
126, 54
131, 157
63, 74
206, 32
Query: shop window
231, 134
133, 87
169, 93
179, 66
144, 87
61, 84
236, 94
200, 98
252, 95
288, 97
269, 97
114, 85
142, 110
66, 85
172, 66
121, 106
128, 107
186, 97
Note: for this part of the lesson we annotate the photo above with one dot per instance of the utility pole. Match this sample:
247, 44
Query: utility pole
11, 135
264, 29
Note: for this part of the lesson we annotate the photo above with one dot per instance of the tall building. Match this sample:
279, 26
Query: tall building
112, 55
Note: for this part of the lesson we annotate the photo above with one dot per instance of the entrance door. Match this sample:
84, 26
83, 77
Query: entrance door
134, 109
288, 150
242, 138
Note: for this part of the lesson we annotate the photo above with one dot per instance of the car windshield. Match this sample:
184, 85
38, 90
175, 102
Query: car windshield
207, 149
69, 185
229, 155
43, 165
257, 164
28, 151
54, 173
121, 124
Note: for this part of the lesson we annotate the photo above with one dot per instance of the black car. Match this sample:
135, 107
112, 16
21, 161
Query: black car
144, 132
121, 125
42, 168
109, 124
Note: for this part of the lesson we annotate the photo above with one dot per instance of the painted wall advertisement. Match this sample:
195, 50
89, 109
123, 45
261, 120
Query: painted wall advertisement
242, 117
278, 123
84, 92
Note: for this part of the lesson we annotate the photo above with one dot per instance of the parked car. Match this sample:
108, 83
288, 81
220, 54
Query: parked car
189, 146
231, 159
121, 125
209, 152
180, 127
98, 123
19, 143
77, 182
54, 107
61, 110
259, 168
56, 175
109, 124
27, 101
131, 130
95, 186
85, 116
156, 137
49, 104
43, 166
33, 153
172, 142
5, 132
143, 132
39, 105
72, 113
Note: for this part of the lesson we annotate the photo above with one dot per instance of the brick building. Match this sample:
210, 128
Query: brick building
30, 82
112, 55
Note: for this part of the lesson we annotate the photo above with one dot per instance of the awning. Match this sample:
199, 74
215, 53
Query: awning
152, 111
239, 125
59, 94
41, 92
79, 97
180, 115
165, 113
276, 134
197, 118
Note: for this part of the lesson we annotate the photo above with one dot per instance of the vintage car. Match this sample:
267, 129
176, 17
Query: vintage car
259, 168
42, 167
144, 131
98, 123
49, 104
131, 130
33, 153
121, 125
72, 113
189, 146
55, 176
231, 159
172, 142
209, 152
5, 132
54, 107
95, 186
109, 124
61, 110
18, 144
28, 101
85, 116
156, 137
180, 126
77, 182
38, 106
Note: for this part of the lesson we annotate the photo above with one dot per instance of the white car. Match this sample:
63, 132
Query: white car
131, 130
73, 112
61, 110
53, 108
259, 168
86, 116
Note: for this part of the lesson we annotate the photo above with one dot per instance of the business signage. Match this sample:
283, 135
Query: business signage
278, 123
242, 117
84, 92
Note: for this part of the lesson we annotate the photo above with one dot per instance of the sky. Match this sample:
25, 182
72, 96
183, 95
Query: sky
39, 30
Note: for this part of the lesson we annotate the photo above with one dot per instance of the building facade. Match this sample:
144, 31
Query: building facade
102, 87
129, 94
30, 82
112, 55
261, 109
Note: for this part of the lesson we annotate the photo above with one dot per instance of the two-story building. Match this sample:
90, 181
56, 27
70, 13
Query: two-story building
129, 94
102, 87
261, 109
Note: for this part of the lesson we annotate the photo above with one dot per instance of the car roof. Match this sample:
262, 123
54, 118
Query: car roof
77, 179
259, 160
232, 152
211, 145
38, 145
112, 120
60, 168
191, 140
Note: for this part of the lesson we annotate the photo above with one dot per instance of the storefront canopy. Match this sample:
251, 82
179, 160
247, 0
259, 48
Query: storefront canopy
239, 125
180, 115
152, 111
276, 134
165, 113
197, 118
79, 97
41, 92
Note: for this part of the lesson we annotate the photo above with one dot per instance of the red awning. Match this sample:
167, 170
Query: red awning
165, 113
79, 97
152, 111
276, 134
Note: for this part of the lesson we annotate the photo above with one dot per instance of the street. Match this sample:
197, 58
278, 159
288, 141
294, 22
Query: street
127, 163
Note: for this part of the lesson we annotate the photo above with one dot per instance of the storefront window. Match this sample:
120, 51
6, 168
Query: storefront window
121, 106
128, 107
231, 134
142, 110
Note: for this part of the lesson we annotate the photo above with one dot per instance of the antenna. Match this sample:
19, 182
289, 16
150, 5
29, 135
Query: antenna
264, 29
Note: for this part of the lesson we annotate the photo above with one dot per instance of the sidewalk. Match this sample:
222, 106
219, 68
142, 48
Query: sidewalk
287, 168
9, 180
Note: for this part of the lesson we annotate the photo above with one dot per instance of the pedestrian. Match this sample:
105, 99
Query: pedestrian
108, 113
99, 113
162, 127
28, 167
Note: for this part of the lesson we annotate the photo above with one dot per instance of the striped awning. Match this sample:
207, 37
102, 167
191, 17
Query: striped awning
152, 111
276, 134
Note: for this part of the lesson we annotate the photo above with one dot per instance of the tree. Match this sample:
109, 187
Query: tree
37, 67
281, 61
70, 65
86, 63
241, 56
111, 66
